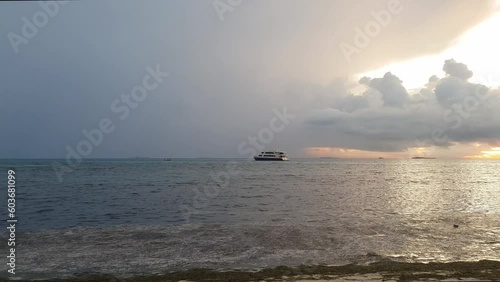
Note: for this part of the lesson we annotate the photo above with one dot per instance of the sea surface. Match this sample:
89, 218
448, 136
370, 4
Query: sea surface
148, 216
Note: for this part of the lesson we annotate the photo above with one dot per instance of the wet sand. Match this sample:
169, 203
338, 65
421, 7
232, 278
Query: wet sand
380, 271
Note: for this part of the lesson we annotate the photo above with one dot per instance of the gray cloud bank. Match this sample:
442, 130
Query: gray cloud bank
386, 117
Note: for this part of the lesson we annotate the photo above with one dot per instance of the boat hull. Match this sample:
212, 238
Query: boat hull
269, 159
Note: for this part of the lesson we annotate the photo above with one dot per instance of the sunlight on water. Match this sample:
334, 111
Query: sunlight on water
107, 217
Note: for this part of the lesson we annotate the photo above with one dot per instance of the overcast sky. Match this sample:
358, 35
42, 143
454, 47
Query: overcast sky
232, 65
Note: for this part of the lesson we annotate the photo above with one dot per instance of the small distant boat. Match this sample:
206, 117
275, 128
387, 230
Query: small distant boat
167, 159
271, 156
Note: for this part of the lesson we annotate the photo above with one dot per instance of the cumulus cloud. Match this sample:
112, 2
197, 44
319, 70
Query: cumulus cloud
385, 117
390, 87
458, 70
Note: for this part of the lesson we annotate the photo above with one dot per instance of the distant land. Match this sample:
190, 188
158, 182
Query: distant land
423, 158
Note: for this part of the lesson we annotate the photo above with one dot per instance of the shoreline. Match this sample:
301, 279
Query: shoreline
484, 270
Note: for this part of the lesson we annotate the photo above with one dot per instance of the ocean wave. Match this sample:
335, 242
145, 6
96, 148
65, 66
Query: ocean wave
131, 250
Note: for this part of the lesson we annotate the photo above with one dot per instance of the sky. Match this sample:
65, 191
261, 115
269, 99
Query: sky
228, 78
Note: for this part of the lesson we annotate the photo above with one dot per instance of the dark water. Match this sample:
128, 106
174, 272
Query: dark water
151, 216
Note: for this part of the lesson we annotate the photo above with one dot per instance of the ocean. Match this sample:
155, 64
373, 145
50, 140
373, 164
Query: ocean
133, 217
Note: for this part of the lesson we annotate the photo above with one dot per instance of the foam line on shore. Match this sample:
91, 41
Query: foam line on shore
484, 270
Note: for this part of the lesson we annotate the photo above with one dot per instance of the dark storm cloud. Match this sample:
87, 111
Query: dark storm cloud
226, 76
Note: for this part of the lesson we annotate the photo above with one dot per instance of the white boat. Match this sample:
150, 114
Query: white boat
271, 156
